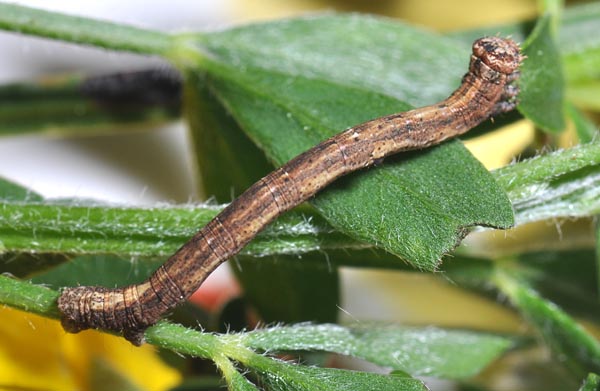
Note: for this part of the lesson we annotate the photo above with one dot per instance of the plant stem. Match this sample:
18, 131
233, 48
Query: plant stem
543, 168
155, 231
28, 297
83, 30
42, 301
86, 104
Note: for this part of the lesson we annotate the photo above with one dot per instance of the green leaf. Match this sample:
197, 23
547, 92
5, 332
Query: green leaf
286, 288
541, 81
290, 84
277, 374
569, 342
10, 191
281, 376
375, 55
78, 229
425, 208
559, 184
228, 162
76, 29
419, 351
591, 383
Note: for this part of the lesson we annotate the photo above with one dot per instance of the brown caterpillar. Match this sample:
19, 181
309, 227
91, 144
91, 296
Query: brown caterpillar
487, 89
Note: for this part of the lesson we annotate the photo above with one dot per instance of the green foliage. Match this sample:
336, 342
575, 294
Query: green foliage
568, 340
542, 86
558, 184
396, 347
256, 96
279, 82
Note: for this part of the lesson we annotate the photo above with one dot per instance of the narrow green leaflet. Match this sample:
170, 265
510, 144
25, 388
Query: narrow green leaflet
147, 232
18, 263
541, 82
591, 383
560, 184
280, 376
76, 29
235, 380
419, 351
28, 225
276, 374
569, 341
310, 86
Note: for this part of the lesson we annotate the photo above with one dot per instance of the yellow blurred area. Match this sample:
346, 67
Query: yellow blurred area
512, 140
37, 354
438, 15
420, 299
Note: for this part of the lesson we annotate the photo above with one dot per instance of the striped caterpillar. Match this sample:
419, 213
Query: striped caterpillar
487, 89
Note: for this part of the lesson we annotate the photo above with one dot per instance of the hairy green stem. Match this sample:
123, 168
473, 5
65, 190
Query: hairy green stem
83, 30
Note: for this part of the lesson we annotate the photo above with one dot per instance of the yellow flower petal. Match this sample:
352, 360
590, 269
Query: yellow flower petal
36, 353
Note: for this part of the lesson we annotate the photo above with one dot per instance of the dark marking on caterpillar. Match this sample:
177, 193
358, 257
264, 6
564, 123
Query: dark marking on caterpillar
487, 89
